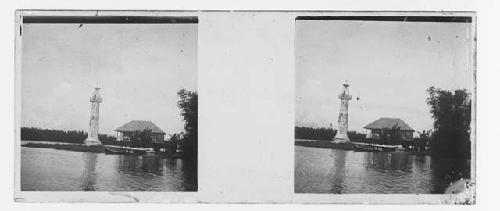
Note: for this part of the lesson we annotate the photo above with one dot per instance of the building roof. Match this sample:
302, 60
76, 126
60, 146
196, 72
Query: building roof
388, 123
136, 125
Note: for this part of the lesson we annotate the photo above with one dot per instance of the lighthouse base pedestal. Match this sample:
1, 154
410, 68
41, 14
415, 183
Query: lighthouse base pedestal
92, 141
340, 140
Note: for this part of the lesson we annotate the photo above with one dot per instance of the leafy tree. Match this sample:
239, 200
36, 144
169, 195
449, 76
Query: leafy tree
188, 103
175, 138
452, 117
424, 138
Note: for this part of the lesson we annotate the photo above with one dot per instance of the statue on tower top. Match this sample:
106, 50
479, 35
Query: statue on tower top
96, 97
345, 92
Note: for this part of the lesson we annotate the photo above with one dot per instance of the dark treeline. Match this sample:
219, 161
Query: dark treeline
70, 136
311, 133
357, 137
325, 134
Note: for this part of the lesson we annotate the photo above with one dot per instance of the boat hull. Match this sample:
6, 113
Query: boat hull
359, 147
110, 150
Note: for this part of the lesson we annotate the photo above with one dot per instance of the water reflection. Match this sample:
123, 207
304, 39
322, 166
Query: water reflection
446, 171
132, 164
60, 170
89, 174
337, 171
387, 162
189, 171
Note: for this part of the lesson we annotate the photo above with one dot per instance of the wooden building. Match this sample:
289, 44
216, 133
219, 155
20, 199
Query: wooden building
384, 128
126, 131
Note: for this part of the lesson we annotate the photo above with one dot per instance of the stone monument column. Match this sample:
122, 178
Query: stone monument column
341, 136
93, 134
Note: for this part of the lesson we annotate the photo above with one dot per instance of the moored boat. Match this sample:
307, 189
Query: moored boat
363, 147
115, 150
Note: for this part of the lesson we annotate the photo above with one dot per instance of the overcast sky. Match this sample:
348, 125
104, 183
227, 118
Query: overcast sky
139, 67
389, 66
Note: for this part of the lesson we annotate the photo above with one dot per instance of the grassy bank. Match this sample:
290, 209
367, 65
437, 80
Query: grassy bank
324, 144
70, 147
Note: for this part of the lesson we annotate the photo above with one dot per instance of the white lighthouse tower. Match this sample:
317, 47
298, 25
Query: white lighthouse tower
93, 136
341, 136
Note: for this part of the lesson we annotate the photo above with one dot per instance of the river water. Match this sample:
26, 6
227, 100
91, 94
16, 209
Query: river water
60, 170
320, 170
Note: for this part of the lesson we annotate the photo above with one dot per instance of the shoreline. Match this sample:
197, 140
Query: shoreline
85, 148
66, 146
344, 146
323, 144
